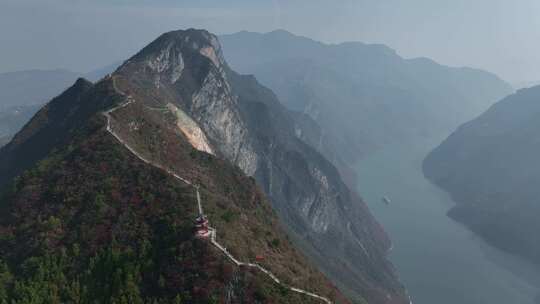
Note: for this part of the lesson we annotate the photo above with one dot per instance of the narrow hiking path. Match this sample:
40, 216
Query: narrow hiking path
213, 232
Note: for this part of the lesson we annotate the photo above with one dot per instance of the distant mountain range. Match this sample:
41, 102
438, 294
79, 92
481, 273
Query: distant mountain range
363, 96
22, 93
96, 205
490, 167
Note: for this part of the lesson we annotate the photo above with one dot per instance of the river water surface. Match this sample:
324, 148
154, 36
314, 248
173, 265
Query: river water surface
439, 260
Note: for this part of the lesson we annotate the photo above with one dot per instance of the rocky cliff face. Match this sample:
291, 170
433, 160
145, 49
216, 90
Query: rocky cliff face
363, 96
490, 167
245, 124
198, 86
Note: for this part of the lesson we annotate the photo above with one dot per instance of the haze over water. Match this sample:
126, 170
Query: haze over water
438, 259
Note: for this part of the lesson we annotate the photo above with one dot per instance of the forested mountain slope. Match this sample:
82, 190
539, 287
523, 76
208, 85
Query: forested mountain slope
490, 166
186, 112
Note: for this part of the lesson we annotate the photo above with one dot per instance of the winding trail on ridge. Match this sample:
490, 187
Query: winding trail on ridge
213, 232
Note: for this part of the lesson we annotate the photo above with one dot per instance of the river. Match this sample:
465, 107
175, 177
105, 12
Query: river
438, 259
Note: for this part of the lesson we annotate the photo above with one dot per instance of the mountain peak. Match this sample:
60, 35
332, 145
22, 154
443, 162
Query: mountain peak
167, 52
281, 32
82, 83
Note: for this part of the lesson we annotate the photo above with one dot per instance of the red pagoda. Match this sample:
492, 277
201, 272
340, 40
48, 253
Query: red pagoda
201, 222
201, 225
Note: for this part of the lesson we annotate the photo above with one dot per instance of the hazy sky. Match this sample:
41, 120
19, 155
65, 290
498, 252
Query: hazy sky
496, 35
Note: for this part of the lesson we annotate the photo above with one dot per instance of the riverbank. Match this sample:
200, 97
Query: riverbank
439, 260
